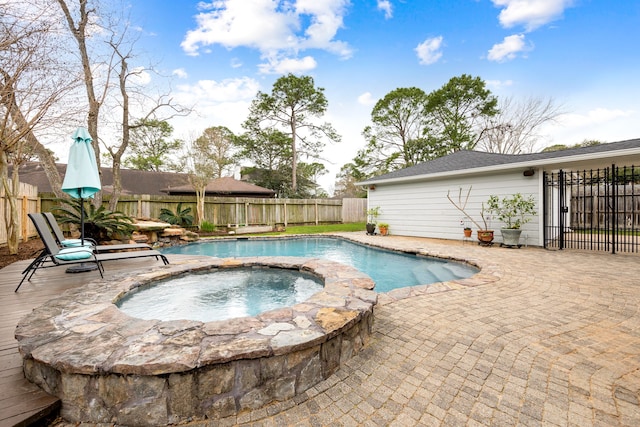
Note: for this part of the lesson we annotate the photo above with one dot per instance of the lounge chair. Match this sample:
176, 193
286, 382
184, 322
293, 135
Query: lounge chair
64, 242
53, 255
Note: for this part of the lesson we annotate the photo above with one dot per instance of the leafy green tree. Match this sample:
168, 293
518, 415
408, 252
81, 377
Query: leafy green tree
291, 107
458, 110
410, 126
151, 146
269, 151
308, 175
559, 147
395, 140
345, 185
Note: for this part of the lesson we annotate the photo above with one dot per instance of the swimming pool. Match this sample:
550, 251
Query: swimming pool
390, 270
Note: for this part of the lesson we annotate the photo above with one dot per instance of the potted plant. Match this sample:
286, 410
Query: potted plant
372, 219
467, 232
384, 228
485, 236
514, 211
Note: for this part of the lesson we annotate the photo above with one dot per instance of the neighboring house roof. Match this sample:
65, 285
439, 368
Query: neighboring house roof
465, 162
148, 182
226, 186
133, 181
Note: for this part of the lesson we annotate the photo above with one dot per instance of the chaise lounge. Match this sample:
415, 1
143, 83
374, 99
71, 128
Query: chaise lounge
53, 255
65, 243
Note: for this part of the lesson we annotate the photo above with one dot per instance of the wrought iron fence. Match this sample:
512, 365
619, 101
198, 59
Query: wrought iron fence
595, 209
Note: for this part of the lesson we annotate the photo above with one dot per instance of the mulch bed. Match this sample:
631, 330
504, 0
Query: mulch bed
26, 250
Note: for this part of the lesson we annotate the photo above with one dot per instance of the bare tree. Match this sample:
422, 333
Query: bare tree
128, 93
218, 141
79, 27
515, 129
30, 85
201, 168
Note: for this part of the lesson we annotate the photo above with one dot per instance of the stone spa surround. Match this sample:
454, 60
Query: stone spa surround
107, 367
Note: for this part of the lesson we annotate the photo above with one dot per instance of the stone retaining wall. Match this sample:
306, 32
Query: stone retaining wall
107, 367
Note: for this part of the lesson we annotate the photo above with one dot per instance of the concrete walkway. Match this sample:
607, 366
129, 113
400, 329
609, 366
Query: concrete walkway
554, 341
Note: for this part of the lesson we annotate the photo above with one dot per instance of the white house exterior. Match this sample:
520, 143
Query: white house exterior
413, 201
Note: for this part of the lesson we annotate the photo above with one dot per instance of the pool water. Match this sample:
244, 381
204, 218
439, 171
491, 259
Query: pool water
390, 270
221, 295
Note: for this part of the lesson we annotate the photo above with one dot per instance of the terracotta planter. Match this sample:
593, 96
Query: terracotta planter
383, 230
485, 236
467, 232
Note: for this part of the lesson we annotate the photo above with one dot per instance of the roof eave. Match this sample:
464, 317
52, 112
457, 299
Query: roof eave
553, 161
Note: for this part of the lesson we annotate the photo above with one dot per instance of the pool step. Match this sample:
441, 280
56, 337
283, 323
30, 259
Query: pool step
437, 272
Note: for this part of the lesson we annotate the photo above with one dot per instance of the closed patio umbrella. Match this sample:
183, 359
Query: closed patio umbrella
81, 179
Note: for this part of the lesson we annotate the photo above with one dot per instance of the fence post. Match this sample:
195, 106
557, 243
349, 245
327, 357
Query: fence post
23, 219
316, 206
285, 213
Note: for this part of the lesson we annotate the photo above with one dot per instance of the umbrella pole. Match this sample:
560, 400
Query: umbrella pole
82, 267
81, 222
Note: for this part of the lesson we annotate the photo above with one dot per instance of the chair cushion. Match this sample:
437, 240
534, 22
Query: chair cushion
72, 254
75, 243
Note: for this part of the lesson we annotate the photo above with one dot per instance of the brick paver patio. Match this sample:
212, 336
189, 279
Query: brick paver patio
552, 340
555, 341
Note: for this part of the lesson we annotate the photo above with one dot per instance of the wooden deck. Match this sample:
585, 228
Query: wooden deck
21, 402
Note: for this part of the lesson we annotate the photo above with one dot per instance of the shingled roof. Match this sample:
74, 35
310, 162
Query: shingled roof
466, 160
226, 186
149, 182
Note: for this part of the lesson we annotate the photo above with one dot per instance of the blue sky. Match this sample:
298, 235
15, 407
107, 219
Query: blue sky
582, 53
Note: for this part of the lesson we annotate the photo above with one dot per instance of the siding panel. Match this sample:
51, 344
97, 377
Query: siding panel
421, 208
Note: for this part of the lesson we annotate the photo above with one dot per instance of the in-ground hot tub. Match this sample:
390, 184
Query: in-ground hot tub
108, 367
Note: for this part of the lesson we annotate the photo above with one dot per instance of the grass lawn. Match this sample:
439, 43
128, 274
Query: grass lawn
314, 229
325, 228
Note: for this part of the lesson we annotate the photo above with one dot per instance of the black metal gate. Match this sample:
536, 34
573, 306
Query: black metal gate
596, 209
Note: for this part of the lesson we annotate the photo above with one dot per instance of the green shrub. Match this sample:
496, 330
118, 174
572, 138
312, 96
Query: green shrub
207, 227
99, 223
181, 217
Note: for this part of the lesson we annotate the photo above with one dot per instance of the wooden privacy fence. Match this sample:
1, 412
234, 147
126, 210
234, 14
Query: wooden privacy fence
605, 206
224, 211
26, 202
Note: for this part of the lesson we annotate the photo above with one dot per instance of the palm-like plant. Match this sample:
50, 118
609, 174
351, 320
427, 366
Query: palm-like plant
99, 223
181, 217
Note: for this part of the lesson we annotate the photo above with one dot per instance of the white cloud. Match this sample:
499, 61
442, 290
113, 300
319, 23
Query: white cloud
229, 90
530, 13
602, 124
498, 84
386, 7
275, 27
223, 103
366, 99
288, 65
593, 117
429, 50
508, 49
181, 73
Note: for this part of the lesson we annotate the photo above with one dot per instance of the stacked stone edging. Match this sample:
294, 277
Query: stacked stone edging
107, 367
